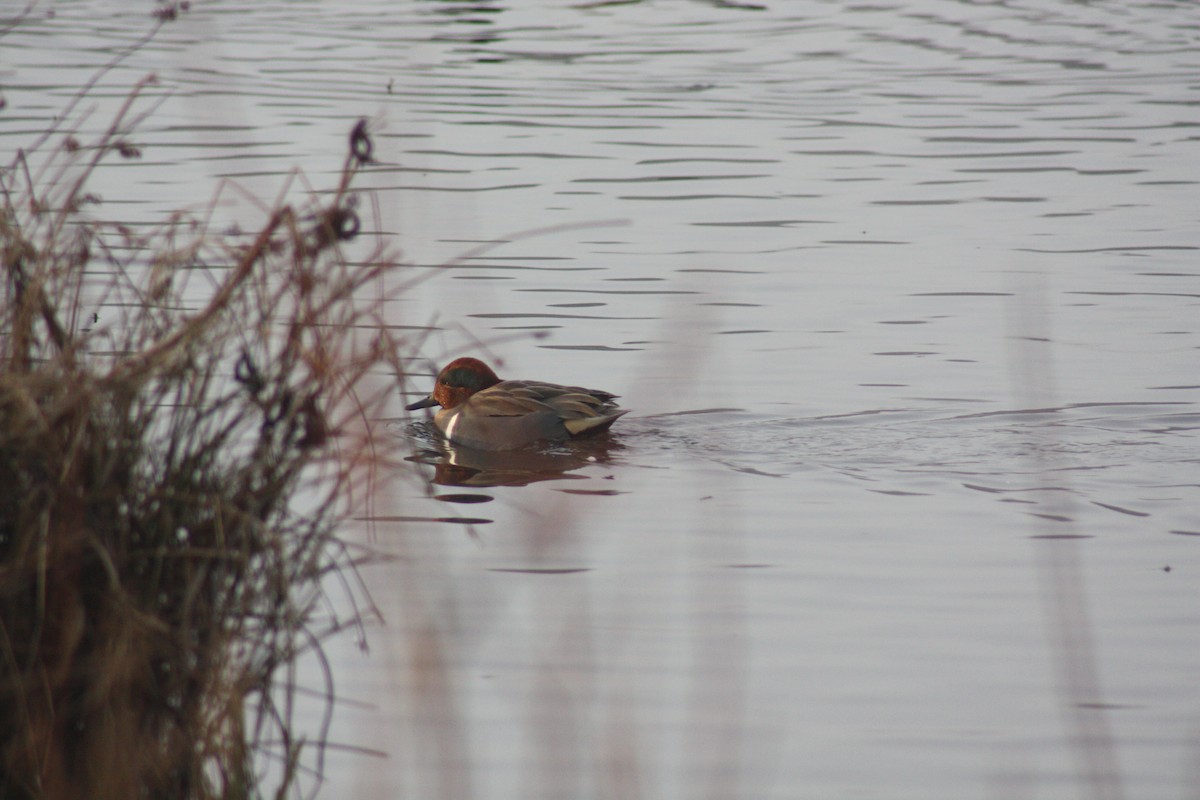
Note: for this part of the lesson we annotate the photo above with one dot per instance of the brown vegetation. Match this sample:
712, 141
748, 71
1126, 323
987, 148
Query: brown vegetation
182, 427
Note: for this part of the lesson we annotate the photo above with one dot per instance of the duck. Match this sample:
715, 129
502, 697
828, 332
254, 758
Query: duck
481, 411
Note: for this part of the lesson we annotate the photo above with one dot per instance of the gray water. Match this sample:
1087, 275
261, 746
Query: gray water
903, 296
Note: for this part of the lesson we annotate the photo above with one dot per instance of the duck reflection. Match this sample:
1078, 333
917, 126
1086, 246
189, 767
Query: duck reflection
455, 465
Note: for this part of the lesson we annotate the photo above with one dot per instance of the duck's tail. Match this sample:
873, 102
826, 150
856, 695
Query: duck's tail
585, 426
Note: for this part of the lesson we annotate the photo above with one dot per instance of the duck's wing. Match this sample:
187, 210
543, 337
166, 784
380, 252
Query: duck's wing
512, 414
572, 402
500, 402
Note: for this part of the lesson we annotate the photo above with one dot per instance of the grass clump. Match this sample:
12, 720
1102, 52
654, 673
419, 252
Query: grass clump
182, 429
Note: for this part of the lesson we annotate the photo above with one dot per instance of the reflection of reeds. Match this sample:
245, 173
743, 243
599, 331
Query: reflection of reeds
172, 481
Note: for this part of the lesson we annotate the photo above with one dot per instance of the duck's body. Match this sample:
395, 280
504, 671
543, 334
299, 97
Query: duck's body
481, 411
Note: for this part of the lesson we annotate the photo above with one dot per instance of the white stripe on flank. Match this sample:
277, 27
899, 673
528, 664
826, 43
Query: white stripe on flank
450, 426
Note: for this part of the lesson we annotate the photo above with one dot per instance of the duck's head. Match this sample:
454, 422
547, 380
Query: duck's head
457, 381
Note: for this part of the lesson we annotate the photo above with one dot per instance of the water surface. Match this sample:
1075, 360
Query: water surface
904, 298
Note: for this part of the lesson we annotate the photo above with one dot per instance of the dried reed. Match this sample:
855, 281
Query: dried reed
182, 429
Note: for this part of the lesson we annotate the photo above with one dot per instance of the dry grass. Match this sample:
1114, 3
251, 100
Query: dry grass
182, 429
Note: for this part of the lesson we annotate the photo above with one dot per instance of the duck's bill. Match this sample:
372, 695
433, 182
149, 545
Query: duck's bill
424, 402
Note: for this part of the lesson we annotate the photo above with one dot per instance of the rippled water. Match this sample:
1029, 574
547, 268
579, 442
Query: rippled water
904, 298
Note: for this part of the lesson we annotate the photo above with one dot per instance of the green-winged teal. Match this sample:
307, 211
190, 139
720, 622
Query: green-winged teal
481, 411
